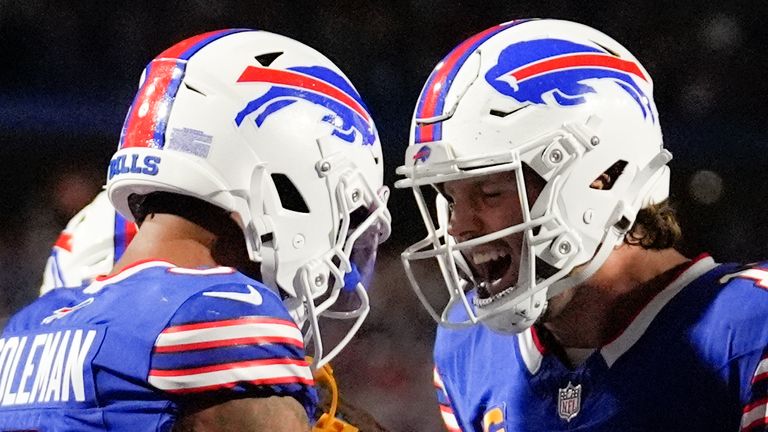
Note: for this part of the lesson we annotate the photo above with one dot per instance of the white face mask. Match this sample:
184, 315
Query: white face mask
340, 292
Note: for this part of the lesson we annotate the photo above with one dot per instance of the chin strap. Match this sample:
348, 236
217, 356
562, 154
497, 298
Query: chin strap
328, 421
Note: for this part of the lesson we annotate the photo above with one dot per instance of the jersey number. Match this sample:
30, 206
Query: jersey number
760, 276
493, 420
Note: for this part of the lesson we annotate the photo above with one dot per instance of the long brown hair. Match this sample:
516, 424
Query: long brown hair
656, 227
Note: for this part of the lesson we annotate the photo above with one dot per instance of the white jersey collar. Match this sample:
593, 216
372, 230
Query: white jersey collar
612, 351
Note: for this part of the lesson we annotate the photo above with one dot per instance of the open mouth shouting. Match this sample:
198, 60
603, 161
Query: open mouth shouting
494, 268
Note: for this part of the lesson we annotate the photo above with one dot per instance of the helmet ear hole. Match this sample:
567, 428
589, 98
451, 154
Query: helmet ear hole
290, 197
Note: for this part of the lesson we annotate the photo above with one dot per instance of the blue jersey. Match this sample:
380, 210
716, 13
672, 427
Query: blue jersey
693, 359
126, 353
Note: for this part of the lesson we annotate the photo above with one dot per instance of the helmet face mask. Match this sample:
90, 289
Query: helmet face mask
272, 131
564, 101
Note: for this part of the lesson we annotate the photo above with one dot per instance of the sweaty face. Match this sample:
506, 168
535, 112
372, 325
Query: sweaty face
481, 206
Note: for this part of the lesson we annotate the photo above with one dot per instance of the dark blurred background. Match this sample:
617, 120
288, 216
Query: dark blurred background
68, 72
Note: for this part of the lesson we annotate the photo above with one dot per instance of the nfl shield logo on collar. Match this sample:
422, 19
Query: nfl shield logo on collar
569, 401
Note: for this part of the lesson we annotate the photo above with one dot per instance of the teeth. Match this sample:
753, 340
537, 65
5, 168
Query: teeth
490, 255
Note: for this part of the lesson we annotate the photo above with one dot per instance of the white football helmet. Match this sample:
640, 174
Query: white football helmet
93, 240
271, 130
564, 100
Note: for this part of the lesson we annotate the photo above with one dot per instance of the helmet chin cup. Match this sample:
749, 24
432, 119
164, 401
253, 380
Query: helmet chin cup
512, 317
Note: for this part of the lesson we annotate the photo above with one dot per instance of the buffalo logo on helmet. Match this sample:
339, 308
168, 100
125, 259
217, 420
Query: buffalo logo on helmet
423, 154
315, 84
527, 71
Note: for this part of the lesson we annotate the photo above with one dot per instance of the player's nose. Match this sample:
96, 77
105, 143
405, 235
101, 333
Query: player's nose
464, 222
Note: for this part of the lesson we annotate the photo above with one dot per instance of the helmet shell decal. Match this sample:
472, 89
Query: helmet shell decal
423, 154
315, 84
147, 117
526, 71
431, 102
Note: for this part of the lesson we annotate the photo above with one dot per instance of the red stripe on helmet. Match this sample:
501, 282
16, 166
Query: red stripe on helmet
578, 61
150, 106
177, 51
442, 71
294, 79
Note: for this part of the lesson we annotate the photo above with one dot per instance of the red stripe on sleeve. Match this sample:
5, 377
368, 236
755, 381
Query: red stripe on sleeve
226, 366
264, 381
225, 323
229, 342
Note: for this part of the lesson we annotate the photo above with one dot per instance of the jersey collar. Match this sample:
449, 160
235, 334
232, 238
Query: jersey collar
532, 351
101, 281
615, 349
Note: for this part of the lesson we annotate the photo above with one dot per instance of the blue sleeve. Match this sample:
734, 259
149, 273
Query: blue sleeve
750, 337
755, 411
232, 340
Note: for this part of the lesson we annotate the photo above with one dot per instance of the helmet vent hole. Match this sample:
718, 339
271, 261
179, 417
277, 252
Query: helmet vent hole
502, 114
194, 89
606, 49
607, 179
290, 197
267, 59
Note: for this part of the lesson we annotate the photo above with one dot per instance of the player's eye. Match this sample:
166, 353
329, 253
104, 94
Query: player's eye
492, 191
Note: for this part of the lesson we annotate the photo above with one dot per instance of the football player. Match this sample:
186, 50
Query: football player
537, 161
89, 246
96, 237
243, 150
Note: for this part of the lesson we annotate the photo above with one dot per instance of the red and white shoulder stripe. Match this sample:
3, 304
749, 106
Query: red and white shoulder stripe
226, 333
449, 419
446, 411
215, 334
755, 415
228, 375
